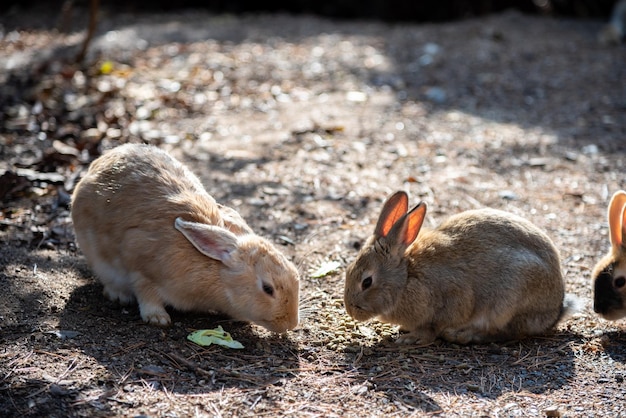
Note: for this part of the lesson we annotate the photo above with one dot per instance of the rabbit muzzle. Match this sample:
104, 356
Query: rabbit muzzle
358, 313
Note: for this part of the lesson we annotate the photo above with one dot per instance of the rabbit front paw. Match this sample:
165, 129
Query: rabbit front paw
154, 314
419, 337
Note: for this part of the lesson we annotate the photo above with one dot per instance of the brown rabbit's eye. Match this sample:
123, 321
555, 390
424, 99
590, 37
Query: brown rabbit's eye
620, 282
366, 283
268, 289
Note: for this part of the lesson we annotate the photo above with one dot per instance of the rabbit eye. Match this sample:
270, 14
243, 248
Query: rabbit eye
366, 283
619, 282
268, 289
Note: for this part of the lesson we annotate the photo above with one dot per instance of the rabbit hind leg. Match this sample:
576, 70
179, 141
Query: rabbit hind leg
482, 328
533, 323
117, 285
464, 335
519, 326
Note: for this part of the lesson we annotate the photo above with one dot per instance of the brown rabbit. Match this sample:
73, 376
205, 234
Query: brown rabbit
151, 232
609, 275
483, 275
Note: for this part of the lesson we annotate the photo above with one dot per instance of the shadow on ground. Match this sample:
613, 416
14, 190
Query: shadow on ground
67, 325
410, 375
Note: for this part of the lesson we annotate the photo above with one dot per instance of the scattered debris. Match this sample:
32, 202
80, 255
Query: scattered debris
326, 268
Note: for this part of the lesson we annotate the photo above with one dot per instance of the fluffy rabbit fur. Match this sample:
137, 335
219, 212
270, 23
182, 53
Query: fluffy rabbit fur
151, 232
483, 275
609, 275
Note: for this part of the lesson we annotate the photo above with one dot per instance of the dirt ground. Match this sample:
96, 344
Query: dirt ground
305, 126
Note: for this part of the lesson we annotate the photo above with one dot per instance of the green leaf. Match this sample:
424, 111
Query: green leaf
205, 337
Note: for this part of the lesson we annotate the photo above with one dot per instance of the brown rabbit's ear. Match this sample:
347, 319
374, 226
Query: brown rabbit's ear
415, 219
405, 230
617, 219
212, 241
394, 208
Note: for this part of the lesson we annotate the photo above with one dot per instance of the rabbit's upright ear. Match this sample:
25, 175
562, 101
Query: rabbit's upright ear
394, 208
212, 241
414, 221
617, 220
406, 229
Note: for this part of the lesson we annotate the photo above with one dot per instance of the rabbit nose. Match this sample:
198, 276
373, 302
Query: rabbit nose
352, 308
293, 323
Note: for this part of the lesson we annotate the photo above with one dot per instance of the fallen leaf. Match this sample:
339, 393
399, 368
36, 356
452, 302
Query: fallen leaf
205, 337
326, 268
64, 334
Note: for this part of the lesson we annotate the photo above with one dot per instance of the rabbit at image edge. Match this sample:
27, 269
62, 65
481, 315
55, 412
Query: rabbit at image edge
483, 275
609, 275
151, 232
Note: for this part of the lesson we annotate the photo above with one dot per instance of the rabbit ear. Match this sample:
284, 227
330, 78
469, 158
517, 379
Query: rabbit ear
414, 224
406, 229
394, 208
617, 218
212, 241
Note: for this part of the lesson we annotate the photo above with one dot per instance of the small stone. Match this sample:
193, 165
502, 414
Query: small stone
552, 411
57, 390
436, 95
591, 149
143, 113
91, 134
508, 195
360, 390
432, 48
356, 96
171, 139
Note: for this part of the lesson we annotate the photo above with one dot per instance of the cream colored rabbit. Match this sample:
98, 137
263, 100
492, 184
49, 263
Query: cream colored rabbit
609, 275
483, 275
151, 232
